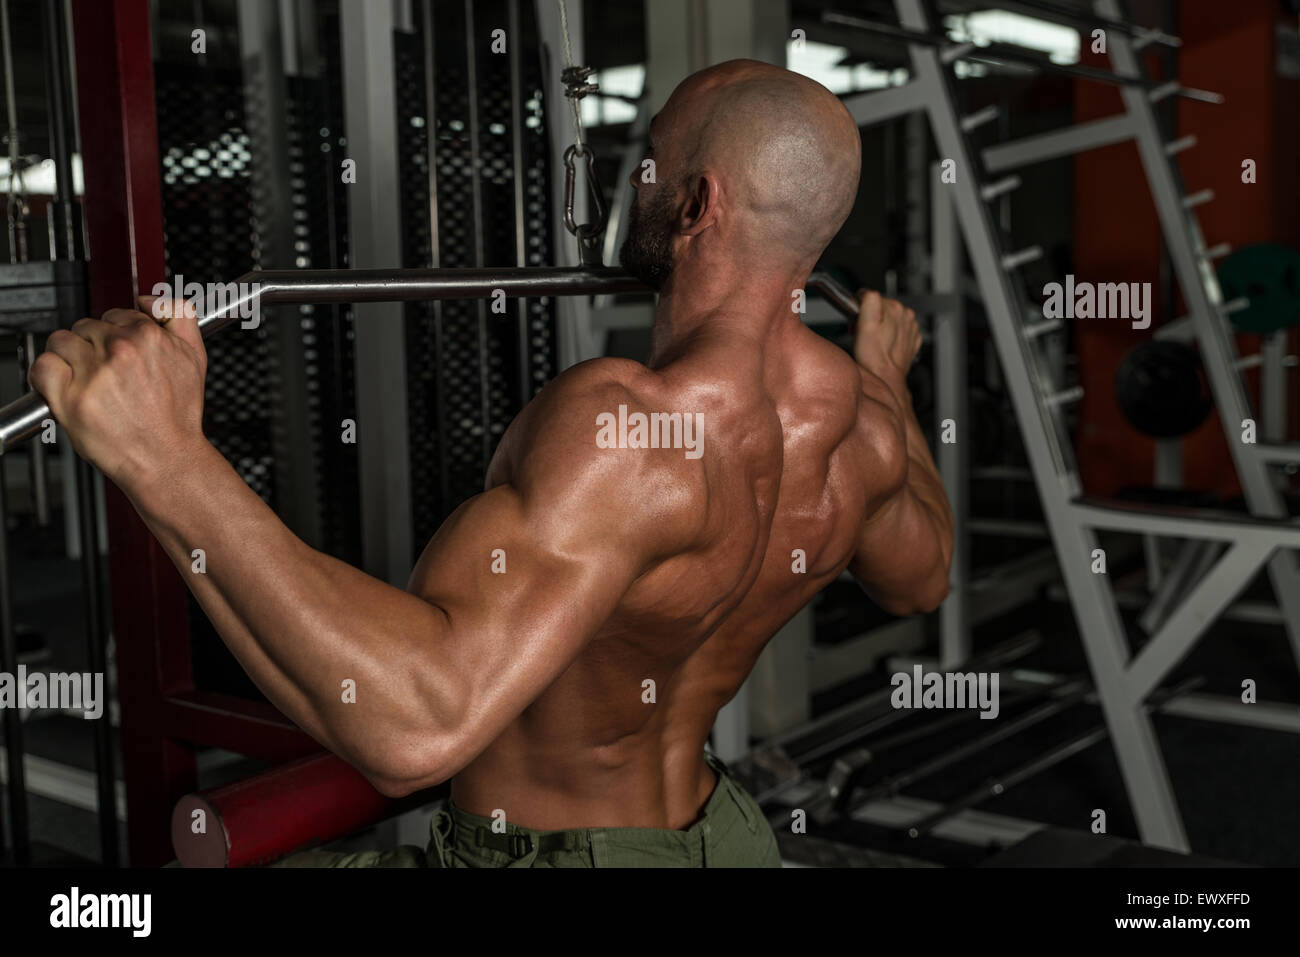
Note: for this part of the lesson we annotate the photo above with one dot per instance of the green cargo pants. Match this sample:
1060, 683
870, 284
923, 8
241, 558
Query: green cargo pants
731, 832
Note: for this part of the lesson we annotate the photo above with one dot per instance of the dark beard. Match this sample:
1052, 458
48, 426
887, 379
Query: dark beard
647, 251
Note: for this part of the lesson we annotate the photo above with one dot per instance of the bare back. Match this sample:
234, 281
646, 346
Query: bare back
797, 452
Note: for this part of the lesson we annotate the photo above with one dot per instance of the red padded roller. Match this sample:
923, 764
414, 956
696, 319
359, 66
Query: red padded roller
262, 818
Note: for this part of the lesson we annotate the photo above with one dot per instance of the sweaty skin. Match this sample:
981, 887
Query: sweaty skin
622, 566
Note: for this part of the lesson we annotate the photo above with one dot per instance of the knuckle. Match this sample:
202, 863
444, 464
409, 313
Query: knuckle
44, 373
120, 347
43, 363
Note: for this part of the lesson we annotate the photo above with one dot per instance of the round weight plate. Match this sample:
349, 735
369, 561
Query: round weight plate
1161, 389
1268, 275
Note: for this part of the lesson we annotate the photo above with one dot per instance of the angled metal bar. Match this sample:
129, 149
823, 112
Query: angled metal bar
880, 106
1198, 610
1192, 561
1184, 523
1069, 141
1230, 710
1269, 452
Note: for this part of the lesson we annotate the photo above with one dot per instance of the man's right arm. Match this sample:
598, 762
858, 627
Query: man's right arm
904, 548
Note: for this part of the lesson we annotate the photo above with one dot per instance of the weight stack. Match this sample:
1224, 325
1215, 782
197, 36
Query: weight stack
469, 371
215, 224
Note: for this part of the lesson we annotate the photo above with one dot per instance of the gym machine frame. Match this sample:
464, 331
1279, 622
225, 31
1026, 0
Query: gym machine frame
169, 717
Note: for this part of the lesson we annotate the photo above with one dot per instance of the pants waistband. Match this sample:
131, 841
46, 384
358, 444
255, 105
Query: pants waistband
454, 828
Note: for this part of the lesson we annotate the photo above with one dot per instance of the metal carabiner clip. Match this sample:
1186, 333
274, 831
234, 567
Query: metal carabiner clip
588, 234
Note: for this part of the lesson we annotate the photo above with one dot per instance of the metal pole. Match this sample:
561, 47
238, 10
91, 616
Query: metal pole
96, 641
14, 204
87, 511
435, 253
15, 783
517, 163
266, 95
59, 93
36, 458
379, 332
476, 198
951, 402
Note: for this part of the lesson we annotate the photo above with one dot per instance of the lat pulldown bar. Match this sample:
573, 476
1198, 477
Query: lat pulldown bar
22, 418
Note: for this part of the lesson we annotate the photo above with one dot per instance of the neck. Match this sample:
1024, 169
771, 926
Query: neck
723, 299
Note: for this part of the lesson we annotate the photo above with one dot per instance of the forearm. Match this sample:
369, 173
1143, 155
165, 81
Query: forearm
300, 622
913, 579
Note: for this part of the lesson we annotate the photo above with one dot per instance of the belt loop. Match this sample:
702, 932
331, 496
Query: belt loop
518, 845
526, 844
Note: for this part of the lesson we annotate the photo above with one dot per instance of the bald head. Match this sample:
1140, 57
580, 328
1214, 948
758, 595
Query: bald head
782, 151
787, 150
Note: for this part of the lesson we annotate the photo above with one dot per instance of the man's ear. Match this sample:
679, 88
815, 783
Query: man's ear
701, 209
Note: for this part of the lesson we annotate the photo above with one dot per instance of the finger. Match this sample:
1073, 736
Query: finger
179, 317
70, 347
870, 306
164, 309
51, 374
91, 330
124, 317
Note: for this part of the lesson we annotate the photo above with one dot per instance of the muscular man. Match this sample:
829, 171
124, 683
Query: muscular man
571, 678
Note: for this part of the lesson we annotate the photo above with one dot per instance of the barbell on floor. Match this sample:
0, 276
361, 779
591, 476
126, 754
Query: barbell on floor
22, 418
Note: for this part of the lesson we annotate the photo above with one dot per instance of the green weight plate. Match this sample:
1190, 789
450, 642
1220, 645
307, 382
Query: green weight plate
1267, 274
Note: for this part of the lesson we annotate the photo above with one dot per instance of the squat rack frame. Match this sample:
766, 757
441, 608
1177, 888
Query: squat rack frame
1267, 537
